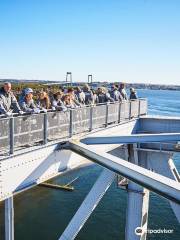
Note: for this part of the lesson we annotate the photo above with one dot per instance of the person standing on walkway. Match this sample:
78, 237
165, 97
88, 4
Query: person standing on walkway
122, 91
26, 102
8, 102
88, 95
103, 95
133, 94
115, 94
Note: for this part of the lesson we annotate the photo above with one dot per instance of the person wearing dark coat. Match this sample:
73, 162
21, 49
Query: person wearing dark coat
115, 94
104, 96
133, 94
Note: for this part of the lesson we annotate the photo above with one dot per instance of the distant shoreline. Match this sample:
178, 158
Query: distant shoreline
94, 84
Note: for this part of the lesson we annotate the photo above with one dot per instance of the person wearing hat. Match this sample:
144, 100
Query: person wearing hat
8, 102
133, 94
26, 102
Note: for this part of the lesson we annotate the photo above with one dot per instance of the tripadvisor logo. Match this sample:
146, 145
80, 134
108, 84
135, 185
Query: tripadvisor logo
139, 231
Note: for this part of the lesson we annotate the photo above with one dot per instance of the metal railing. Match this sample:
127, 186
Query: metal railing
29, 129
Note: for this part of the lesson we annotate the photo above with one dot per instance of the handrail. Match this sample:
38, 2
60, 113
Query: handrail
68, 109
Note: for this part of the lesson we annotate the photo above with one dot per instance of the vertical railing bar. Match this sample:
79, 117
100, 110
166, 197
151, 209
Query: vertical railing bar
11, 135
119, 113
146, 107
106, 120
139, 108
71, 124
91, 119
130, 109
45, 137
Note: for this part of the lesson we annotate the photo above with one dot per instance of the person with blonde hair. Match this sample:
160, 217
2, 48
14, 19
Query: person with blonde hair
67, 101
43, 101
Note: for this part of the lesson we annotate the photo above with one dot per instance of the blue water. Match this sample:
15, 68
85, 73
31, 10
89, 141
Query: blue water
42, 213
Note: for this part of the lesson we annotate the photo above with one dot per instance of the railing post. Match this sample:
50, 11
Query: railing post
11, 135
45, 129
71, 124
119, 113
146, 106
91, 118
107, 109
139, 108
130, 109
9, 219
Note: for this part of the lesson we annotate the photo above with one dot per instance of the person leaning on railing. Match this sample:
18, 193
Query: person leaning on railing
73, 98
57, 103
26, 102
43, 101
95, 97
115, 94
103, 95
8, 102
133, 94
122, 91
68, 101
80, 95
89, 99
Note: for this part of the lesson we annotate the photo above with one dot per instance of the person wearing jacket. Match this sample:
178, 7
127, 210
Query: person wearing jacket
115, 94
122, 91
43, 101
89, 99
80, 95
133, 94
8, 102
57, 103
103, 96
73, 97
26, 102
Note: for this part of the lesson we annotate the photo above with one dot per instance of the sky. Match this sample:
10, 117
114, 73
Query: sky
114, 40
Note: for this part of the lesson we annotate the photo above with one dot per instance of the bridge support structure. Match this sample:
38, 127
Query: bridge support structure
137, 203
141, 182
9, 219
140, 166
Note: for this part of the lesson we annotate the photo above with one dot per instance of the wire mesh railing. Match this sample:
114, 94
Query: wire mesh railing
29, 129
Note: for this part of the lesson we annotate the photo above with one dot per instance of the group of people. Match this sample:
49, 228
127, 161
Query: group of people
61, 100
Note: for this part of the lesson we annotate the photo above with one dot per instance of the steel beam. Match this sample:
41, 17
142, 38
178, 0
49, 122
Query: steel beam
165, 166
159, 184
89, 204
9, 219
134, 138
137, 206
